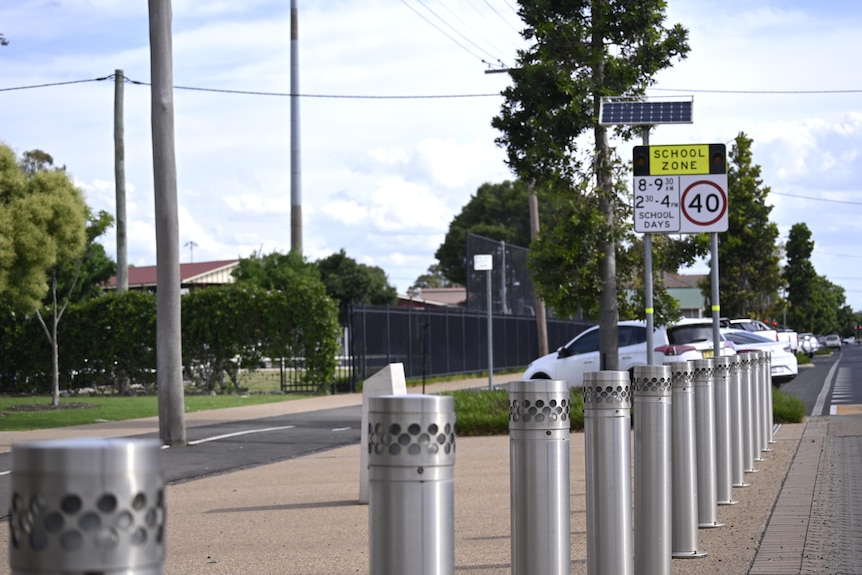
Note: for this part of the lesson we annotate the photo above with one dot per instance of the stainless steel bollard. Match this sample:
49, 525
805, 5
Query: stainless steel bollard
737, 461
770, 420
539, 426
704, 409
87, 506
651, 389
723, 470
749, 433
607, 437
411, 503
759, 436
685, 535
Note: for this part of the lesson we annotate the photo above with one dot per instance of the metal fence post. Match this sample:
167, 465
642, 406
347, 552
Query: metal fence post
411, 506
737, 461
723, 470
539, 426
607, 437
651, 387
87, 506
704, 407
685, 534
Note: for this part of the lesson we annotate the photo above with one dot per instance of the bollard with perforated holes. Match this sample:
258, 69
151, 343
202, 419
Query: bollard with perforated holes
723, 446
737, 437
607, 440
686, 540
749, 433
539, 477
652, 392
87, 506
704, 410
411, 503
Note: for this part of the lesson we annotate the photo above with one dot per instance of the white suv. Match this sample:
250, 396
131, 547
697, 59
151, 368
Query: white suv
685, 340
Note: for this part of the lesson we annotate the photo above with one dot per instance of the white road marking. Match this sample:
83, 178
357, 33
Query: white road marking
238, 433
341, 429
827, 383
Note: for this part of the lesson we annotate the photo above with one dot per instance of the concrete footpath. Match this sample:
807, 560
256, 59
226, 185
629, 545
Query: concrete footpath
301, 516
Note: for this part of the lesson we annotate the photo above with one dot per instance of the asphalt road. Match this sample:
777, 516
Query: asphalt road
212, 449
834, 381
229, 446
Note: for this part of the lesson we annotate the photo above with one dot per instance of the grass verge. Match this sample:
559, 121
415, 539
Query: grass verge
26, 413
786, 408
483, 412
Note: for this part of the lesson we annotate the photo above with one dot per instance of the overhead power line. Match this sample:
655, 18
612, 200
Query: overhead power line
818, 199
55, 84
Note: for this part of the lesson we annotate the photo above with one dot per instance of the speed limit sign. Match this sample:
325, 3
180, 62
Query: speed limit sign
703, 203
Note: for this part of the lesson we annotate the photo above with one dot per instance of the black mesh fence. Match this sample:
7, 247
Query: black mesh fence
512, 291
436, 341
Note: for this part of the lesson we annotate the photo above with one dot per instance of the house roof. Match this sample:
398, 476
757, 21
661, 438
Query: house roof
672, 281
200, 273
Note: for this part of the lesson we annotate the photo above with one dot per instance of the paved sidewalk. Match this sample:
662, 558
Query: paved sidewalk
301, 516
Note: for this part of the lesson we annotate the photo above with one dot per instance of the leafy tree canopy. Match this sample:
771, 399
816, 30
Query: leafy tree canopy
44, 219
433, 278
349, 282
748, 259
276, 271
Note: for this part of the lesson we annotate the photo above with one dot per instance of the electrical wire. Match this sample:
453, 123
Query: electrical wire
54, 84
817, 199
462, 46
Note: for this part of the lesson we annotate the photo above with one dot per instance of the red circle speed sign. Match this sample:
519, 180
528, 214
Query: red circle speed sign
703, 203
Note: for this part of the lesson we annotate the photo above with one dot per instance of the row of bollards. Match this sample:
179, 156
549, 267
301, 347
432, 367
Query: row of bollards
97, 506
692, 423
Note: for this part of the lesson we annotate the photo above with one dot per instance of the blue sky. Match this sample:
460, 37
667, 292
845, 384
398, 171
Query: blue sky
383, 178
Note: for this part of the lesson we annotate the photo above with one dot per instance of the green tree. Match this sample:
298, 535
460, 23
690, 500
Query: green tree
580, 51
568, 252
496, 211
748, 260
801, 279
433, 278
46, 219
275, 271
349, 282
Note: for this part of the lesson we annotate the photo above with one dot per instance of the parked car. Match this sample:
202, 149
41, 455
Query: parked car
833, 341
788, 335
808, 344
750, 325
849, 340
784, 364
688, 339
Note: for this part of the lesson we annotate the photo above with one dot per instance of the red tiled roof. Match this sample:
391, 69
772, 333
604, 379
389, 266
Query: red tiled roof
143, 276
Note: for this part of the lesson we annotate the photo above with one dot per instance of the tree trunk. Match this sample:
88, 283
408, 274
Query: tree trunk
608, 310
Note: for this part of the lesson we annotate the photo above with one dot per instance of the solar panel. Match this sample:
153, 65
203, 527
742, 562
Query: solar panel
639, 113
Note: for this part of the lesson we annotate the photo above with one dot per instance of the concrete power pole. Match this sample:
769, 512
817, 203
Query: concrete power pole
295, 172
120, 184
172, 429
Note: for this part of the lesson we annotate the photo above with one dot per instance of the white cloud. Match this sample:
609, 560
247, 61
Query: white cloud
383, 178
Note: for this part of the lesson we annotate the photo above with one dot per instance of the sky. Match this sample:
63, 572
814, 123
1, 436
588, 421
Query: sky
395, 116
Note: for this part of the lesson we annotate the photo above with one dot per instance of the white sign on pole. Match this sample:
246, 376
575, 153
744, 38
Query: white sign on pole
656, 204
483, 262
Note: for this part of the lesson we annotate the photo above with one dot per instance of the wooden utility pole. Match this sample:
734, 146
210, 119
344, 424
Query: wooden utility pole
120, 184
541, 317
172, 428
